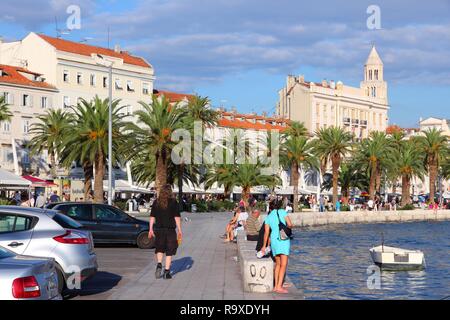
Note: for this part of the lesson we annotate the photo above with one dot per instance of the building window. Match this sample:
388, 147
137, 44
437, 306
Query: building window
66, 102
118, 85
145, 88
105, 82
25, 157
26, 100
66, 76
7, 155
8, 98
6, 126
129, 110
79, 78
26, 125
130, 87
370, 74
376, 74
44, 102
93, 80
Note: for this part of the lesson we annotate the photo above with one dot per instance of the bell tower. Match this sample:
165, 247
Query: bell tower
374, 85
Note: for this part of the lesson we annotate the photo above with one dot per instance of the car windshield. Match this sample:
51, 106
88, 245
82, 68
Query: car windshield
5, 253
66, 222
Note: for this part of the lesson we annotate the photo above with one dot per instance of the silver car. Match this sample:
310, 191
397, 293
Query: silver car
27, 278
47, 233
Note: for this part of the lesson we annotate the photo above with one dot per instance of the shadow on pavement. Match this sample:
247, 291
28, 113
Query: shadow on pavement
181, 265
99, 283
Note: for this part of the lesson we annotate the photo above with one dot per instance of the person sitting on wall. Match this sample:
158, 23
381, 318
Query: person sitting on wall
253, 226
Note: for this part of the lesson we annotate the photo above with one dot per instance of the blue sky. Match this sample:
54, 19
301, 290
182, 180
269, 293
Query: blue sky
238, 52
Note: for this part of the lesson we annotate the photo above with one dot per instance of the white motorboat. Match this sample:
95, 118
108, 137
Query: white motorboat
391, 258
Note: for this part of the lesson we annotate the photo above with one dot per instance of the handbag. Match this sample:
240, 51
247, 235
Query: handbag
285, 231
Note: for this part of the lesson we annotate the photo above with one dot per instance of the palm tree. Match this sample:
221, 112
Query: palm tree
87, 142
435, 146
5, 113
48, 134
153, 131
350, 176
222, 174
249, 175
331, 146
372, 153
297, 153
198, 110
409, 163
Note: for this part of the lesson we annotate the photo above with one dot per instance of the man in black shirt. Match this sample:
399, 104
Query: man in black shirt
164, 221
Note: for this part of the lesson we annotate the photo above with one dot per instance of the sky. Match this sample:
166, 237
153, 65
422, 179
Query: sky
239, 52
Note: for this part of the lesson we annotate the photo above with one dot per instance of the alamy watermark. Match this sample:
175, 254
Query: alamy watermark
238, 147
374, 277
374, 19
73, 22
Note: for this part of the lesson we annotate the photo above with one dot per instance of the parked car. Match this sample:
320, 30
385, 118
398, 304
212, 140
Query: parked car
27, 278
108, 224
48, 233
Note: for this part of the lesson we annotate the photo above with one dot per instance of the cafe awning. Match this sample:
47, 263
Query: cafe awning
37, 182
11, 181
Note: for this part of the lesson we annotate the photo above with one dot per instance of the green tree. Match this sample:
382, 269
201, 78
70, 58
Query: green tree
373, 153
249, 175
332, 145
350, 176
435, 146
5, 113
87, 142
409, 163
297, 153
48, 134
153, 134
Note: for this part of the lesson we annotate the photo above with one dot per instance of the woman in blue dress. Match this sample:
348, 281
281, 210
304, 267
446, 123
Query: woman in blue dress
280, 248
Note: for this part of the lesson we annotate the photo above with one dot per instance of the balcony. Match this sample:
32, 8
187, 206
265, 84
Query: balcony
355, 121
346, 120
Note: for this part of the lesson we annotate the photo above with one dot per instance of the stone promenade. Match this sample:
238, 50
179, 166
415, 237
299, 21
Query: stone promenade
205, 268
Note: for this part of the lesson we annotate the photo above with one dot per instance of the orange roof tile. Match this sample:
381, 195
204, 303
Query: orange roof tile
12, 75
172, 96
88, 50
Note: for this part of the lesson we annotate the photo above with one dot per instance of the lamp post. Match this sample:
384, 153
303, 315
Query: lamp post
109, 64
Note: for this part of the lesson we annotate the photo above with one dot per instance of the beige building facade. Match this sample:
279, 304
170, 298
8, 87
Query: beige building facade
435, 123
74, 69
326, 104
28, 97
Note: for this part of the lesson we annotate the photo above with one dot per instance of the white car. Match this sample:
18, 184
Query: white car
27, 278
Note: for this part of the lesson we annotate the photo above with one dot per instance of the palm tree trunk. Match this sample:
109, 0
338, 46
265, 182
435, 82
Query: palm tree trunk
378, 179
406, 197
295, 176
161, 172
99, 175
372, 182
345, 195
245, 194
433, 175
53, 164
335, 164
88, 174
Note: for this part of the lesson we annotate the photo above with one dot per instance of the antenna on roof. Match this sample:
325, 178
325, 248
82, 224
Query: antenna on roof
60, 32
86, 39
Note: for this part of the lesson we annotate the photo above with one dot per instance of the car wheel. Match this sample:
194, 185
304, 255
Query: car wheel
143, 242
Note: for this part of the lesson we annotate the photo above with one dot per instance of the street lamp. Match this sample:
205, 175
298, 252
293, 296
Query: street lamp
108, 64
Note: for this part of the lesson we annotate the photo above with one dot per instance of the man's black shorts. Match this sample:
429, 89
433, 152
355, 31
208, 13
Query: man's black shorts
166, 241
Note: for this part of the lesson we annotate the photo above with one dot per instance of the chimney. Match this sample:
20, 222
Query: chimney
301, 78
332, 84
117, 48
324, 83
